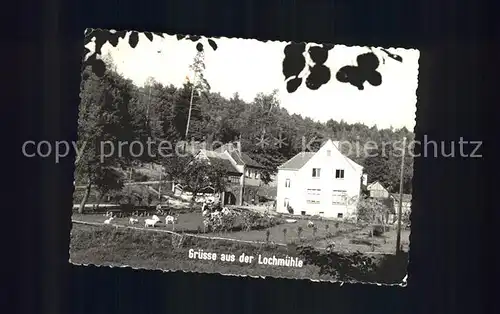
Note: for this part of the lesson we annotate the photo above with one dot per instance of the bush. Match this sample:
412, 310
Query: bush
360, 241
299, 231
378, 230
139, 177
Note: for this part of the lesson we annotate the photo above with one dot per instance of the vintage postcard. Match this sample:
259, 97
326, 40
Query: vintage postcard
240, 157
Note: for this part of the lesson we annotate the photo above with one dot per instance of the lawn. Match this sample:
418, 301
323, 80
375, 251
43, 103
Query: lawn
347, 237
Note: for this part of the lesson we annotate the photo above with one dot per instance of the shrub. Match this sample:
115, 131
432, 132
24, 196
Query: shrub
378, 230
139, 177
337, 225
149, 199
255, 221
290, 209
360, 241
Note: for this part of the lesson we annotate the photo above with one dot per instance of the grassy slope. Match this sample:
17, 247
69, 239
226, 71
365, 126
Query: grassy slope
108, 246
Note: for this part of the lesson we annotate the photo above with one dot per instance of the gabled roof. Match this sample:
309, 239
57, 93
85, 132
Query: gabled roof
221, 158
370, 186
240, 158
297, 161
249, 161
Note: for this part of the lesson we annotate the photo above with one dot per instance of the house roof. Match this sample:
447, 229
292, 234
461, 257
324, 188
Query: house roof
236, 157
226, 165
222, 159
249, 161
406, 197
371, 185
297, 161
240, 158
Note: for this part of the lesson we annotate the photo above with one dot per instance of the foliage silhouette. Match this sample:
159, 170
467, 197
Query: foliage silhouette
295, 62
102, 37
357, 266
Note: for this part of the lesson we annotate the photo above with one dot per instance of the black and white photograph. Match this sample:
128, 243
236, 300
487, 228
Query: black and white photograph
241, 157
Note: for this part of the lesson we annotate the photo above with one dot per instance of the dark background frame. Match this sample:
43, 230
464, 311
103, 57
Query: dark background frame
444, 276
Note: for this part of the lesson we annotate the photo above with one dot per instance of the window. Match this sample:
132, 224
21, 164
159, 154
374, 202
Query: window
303, 213
312, 201
286, 203
321, 213
312, 196
339, 197
314, 192
316, 172
287, 183
340, 215
339, 174
328, 152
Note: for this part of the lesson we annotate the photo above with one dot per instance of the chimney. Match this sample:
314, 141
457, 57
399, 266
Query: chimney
237, 144
364, 179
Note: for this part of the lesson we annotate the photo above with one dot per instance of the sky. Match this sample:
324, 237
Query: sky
249, 66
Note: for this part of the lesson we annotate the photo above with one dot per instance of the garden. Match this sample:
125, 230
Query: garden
245, 225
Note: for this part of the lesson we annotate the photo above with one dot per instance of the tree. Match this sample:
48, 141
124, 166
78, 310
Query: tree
106, 181
196, 174
199, 85
372, 210
103, 118
299, 232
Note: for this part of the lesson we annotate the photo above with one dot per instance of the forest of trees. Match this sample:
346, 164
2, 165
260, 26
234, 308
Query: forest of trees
114, 109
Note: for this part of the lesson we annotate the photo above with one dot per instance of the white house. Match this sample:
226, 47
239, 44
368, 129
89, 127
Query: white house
377, 190
324, 183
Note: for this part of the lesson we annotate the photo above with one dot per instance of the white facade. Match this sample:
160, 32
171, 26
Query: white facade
325, 183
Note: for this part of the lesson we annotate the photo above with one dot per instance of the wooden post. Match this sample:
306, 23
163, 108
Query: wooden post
398, 238
159, 189
223, 197
242, 187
